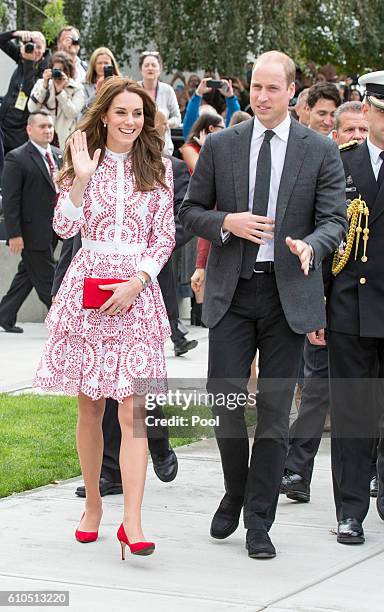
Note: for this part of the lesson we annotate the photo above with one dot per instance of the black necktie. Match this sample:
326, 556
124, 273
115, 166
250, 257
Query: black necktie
260, 200
380, 176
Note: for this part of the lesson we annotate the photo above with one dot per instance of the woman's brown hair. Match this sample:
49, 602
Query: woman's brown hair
148, 167
90, 77
154, 54
66, 61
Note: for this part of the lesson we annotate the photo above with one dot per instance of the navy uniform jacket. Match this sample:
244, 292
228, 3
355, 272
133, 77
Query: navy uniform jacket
356, 298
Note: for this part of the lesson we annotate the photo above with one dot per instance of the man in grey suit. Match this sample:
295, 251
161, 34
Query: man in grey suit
269, 195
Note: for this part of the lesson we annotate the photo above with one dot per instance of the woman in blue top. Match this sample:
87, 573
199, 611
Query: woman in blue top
192, 112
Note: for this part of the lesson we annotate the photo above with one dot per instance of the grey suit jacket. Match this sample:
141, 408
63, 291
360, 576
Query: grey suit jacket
310, 206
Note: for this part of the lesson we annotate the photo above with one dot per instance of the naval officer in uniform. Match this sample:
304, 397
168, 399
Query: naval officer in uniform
356, 322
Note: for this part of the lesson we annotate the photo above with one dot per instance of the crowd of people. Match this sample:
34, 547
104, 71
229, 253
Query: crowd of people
269, 218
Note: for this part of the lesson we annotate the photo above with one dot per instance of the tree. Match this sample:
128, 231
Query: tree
3, 10
224, 34
45, 16
30, 14
54, 20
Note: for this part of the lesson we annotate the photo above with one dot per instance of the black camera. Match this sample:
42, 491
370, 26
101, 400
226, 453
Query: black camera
76, 41
214, 83
57, 73
29, 46
108, 71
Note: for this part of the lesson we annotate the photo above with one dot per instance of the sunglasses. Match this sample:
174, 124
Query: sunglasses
144, 53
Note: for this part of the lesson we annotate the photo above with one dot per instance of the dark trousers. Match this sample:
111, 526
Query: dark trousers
158, 440
167, 284
357, 396
36, 270
255, 320
305, 433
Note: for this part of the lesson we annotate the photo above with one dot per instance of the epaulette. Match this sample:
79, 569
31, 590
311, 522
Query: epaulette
348, 145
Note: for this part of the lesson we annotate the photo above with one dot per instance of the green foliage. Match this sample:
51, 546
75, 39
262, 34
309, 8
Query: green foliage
54, 21
73, 11
3, 9
45, 16
37, 439
224, 34
30, 14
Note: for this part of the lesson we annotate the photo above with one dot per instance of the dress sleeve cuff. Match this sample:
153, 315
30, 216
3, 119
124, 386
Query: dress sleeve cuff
69, 210
150, 266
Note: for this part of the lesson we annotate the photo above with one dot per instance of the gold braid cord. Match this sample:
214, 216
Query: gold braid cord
355, 212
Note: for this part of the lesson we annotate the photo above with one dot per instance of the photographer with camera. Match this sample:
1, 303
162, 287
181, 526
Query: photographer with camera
58, 93
206, 86
28, 50
101, 66
68, 41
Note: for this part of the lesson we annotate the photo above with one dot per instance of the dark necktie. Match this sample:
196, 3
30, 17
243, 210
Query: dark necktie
51, 165
380, 176
260, 201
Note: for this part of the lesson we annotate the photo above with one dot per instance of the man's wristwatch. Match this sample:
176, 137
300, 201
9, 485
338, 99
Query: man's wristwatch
142, 279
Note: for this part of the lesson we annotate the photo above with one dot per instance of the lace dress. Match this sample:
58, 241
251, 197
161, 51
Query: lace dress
123, 231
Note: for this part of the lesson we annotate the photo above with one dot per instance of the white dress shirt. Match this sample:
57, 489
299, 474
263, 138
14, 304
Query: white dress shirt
43, 152
278, 151
374, 154
80, 71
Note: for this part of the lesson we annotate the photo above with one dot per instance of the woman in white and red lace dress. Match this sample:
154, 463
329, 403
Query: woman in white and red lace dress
118, 190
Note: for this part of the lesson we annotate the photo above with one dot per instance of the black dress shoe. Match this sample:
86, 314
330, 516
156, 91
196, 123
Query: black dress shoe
165, 466
184, 346
380, 498
373, 487
295, 487
226, 518
259, 545
11, 329
106, 488
350, 531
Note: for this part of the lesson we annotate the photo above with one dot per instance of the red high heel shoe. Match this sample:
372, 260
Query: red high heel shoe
86, 536
137, 548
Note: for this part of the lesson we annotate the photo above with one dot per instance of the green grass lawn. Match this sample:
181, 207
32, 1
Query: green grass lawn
37, 439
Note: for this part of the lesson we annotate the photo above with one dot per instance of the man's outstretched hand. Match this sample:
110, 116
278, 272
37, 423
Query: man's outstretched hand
303, 250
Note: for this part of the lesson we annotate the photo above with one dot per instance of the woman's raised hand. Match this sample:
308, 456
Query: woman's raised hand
200, 139
83, 165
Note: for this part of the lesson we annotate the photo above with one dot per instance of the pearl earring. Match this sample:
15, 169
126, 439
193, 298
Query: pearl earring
105, 125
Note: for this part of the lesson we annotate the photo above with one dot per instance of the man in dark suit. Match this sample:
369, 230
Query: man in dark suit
163, 457
356, 328
306, 432
29, 197
271, 179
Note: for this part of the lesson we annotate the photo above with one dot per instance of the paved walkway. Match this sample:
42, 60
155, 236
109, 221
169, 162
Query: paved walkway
189, 571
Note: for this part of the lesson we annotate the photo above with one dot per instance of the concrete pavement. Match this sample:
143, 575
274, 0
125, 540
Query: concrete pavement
189, 570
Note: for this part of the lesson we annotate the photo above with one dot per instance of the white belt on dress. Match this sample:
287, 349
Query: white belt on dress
114, 248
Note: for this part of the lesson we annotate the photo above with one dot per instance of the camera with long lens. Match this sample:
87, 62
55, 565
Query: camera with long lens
29, 46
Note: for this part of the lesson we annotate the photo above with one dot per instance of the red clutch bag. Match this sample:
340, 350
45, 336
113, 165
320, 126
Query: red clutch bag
93, 297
